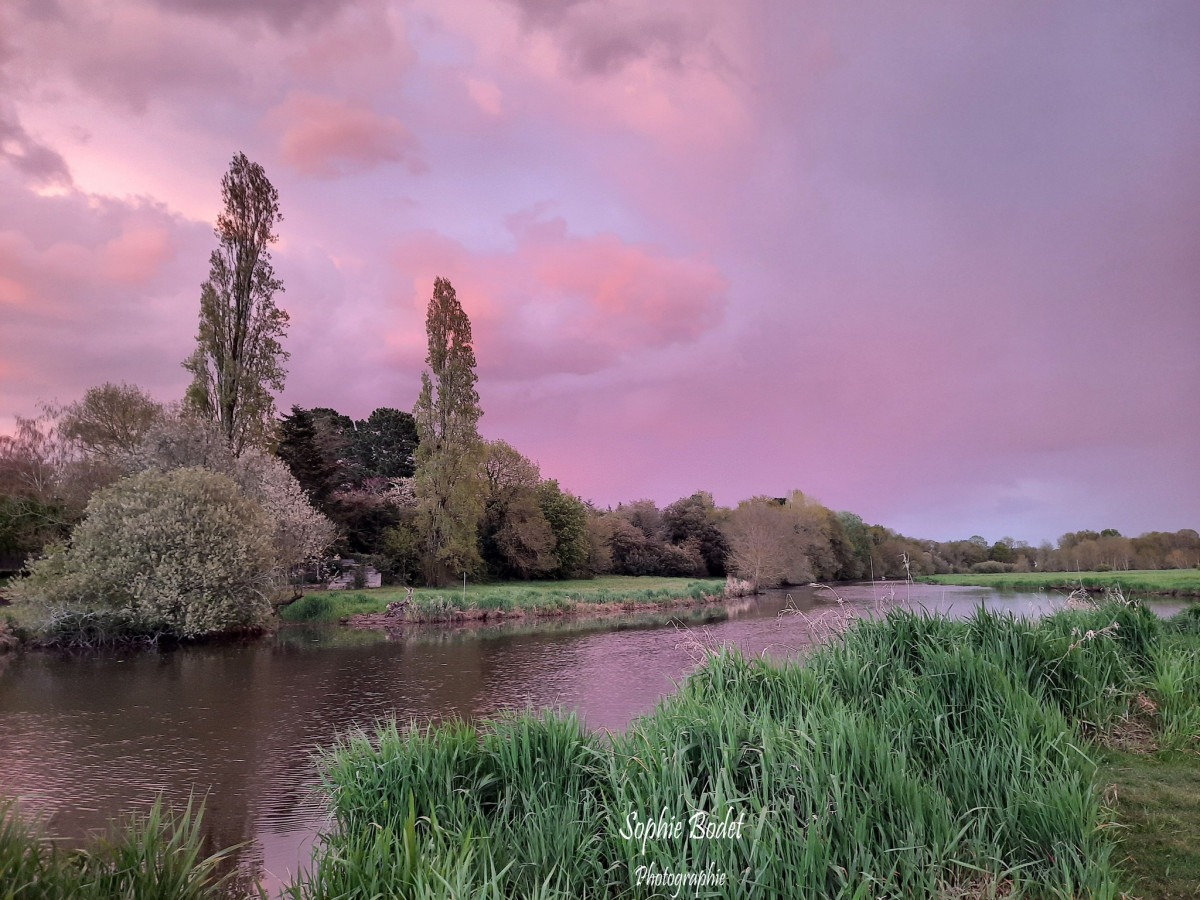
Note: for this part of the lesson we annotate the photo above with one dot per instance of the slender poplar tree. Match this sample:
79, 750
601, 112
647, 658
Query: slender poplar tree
238, 360
448, 482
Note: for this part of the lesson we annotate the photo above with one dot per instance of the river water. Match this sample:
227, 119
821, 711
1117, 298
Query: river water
83, 739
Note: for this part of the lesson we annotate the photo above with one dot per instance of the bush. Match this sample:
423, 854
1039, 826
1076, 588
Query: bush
990, 567
180, 554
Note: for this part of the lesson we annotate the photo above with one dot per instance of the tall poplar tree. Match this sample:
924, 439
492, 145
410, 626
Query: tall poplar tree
448, 482
238, 360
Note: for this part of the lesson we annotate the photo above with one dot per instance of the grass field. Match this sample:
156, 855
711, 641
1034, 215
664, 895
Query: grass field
1156, 798
432, 605
1145, 581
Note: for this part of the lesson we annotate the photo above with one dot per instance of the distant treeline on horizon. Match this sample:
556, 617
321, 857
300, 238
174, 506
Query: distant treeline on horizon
358, 473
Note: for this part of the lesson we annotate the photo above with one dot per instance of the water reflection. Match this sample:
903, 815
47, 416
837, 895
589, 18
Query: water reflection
83, 739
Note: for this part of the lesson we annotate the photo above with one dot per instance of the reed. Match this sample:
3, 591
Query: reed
156, 856
910, 757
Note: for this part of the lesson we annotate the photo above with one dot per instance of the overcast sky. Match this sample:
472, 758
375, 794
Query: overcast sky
938, 264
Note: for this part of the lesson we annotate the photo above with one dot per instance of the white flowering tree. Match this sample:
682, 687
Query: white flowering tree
183, 553
299, 531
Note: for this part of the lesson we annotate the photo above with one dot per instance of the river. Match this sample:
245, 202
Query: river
85, 738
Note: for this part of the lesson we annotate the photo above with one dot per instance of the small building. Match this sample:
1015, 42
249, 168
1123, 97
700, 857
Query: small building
347, 573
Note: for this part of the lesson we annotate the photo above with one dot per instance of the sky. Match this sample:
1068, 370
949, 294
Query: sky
933, 263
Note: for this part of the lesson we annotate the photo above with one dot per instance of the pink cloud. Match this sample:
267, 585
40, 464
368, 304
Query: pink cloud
561, 303
487, 96
137, 255
92, 290
324, 137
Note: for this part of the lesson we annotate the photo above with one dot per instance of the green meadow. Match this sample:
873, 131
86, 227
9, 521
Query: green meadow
1147, 581
532, 597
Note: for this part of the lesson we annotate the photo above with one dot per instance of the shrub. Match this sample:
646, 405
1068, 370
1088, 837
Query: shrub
182, 554
990, 567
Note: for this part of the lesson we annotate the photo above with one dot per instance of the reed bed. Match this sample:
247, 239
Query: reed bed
913, 756
157, 856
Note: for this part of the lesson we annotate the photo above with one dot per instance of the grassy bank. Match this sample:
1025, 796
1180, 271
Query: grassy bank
914, 757
1157, 802
153, 857
1183, 582
506, 598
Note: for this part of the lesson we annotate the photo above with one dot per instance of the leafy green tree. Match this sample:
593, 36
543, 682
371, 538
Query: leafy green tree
110, 420
384, 444
238, 360
567, 517
448, 484
694, 519
858, 537
515, 539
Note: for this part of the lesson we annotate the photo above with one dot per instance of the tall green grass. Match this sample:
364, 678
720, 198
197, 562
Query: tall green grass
157, 856
1184, 582
537, 597
912, 756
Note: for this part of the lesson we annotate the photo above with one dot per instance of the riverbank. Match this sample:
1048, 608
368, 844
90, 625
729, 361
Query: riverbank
1162, 582
912, 756
605, 595
913, 743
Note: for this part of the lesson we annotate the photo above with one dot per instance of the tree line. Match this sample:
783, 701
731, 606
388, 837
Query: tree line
156, 514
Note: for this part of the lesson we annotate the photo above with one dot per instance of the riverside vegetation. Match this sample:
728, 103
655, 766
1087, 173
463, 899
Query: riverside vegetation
422, 496
911, 756
1183, 582
511, 598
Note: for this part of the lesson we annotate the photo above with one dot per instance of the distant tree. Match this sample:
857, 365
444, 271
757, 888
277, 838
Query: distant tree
630, 551
599, 535
858, 536
515, 539
45, 483
774, 540
694, 519
761, 543
180, 441
364, 512
110, 420
300, 448
448, 489
567, 517
1000, 552
646, 517
384, 444
238, 360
